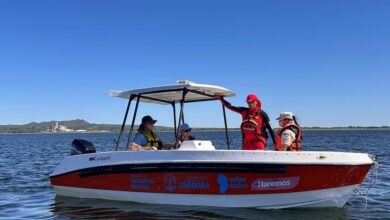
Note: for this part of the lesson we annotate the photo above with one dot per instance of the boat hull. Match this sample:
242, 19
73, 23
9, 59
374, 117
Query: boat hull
277, 181
334, 197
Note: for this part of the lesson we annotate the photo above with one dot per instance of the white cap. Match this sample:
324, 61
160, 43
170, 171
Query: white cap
285, 115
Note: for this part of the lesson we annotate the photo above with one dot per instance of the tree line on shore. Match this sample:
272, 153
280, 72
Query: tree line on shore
80, 124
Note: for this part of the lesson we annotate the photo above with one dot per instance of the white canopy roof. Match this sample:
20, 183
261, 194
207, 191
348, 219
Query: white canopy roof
174, 93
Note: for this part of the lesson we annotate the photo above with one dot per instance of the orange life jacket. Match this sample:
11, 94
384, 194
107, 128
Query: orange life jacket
296, 144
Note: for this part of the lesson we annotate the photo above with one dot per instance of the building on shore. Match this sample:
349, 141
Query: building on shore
59, 128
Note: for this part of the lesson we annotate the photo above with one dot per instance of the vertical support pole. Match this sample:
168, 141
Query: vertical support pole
132, 122
181, 115
226, 128
174, 120
117, 142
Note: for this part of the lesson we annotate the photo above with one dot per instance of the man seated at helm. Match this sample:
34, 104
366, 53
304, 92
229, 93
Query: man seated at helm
146, 138
289, 135
185, 134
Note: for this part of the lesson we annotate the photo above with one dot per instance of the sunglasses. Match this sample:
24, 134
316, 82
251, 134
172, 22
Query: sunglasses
187, 130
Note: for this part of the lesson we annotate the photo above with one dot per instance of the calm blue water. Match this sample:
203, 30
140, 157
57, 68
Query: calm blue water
26, 160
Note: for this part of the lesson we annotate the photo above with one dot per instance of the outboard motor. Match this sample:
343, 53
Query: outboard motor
81, 146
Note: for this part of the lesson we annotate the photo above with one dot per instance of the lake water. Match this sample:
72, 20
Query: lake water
26, 160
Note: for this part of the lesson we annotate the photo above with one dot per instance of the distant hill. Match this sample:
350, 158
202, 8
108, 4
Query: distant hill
78, 124
74, 124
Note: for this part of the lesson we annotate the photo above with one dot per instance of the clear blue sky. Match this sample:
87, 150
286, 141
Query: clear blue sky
327, 61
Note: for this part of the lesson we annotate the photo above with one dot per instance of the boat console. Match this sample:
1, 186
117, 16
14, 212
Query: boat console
196, 145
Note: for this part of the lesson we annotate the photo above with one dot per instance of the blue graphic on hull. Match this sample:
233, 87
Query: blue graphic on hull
223, 183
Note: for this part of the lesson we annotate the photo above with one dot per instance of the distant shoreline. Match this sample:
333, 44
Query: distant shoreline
346, 129
80, 126
206, 130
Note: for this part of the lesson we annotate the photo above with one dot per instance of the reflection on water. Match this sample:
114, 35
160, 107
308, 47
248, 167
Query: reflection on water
103, 209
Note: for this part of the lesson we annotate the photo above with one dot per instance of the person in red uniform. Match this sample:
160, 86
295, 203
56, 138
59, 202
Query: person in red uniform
254, 124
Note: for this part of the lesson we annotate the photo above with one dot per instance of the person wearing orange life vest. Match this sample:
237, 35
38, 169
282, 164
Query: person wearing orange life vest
254, 124
289, 134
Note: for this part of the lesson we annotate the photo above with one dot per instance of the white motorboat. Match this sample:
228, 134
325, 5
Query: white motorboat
198, 174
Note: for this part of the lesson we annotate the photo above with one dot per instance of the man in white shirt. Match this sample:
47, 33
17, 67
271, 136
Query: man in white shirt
289, 134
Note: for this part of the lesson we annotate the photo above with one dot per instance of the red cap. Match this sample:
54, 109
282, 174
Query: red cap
253, 97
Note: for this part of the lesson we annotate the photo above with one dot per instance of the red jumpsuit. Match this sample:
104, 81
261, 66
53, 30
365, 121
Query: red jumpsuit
254, 125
